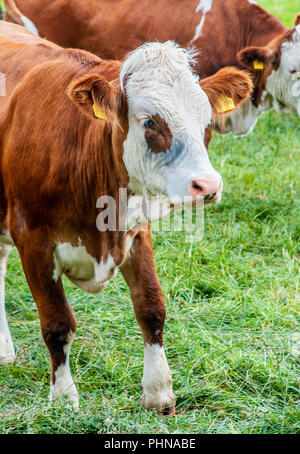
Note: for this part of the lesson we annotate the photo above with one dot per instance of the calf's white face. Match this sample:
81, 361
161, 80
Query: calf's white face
167, 112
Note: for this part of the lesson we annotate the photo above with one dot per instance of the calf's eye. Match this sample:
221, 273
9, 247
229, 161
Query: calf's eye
148, 124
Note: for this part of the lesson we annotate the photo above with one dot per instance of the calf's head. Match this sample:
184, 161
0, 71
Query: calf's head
276, 70
168, 112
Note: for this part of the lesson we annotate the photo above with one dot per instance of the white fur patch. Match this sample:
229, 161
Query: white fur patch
81, 268
204, 6
64, 384
29, 25
7, 352
157, 382
243, 121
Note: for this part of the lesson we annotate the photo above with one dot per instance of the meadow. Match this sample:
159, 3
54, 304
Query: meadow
232, 333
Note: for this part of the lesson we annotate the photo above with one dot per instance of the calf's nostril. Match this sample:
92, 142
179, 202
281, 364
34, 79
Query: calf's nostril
207, 187
197, 186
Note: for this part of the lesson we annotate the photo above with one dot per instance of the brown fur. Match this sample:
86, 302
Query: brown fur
148, 301
230, 82
159, 140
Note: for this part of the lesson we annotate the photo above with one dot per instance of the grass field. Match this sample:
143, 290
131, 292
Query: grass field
232, 333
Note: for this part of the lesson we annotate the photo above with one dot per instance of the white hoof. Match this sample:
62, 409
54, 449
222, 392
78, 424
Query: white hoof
163, 400
157, 381
7, 359
7, 351
64, 386
70, 394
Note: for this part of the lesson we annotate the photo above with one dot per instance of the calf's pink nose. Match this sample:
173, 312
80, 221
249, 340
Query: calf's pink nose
207, 187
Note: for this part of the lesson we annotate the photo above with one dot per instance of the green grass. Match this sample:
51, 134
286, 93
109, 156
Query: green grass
232, 331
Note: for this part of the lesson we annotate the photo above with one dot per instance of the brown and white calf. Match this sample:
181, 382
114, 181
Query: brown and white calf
233, 32
74, 128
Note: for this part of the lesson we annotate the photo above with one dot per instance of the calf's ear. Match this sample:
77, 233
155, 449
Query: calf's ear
258, 58
227, 90
297, 20
96, 96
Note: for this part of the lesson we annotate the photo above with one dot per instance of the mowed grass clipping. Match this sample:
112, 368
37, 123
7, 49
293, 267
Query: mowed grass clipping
232, 332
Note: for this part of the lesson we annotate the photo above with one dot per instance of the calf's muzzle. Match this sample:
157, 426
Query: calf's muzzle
207, 187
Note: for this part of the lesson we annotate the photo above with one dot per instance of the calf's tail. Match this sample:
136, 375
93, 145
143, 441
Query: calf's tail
13, 12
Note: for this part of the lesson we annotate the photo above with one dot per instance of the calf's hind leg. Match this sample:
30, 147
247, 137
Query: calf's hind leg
7, 351
56, 316
149, 306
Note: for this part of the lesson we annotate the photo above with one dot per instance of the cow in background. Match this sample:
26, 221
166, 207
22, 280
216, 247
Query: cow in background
226, 33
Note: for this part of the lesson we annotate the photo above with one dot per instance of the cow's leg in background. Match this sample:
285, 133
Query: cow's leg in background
7, 351
149, 306
57, 321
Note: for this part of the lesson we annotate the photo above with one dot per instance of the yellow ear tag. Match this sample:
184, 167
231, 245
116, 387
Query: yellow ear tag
258, 64
225, 104
99, 112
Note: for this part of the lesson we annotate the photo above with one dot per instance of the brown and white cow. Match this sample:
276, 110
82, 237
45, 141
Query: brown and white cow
73, 129
233, 32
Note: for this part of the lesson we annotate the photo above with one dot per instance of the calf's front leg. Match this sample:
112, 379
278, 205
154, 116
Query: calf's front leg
149, 306
56, 316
